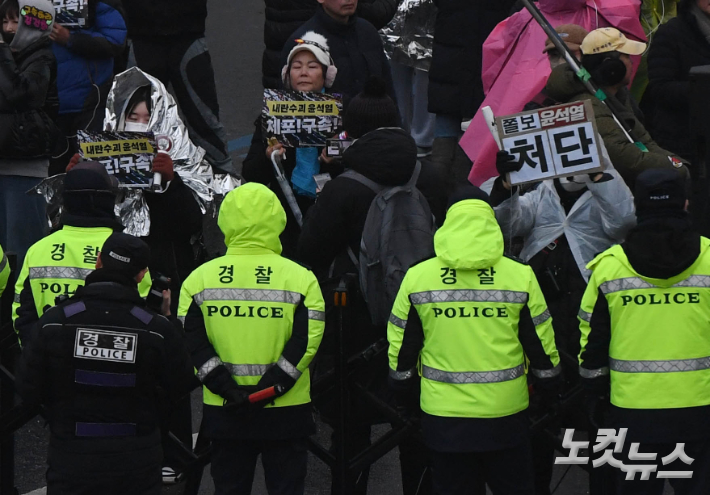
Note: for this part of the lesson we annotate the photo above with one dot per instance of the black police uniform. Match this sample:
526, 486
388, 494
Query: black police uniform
104, 365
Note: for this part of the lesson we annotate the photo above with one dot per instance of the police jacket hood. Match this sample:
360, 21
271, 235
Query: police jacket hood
387, 156
470, 237
251, 218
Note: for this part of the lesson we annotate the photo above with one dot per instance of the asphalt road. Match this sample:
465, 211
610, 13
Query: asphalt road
234, 34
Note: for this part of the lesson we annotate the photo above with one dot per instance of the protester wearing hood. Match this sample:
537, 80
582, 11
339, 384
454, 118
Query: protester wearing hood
309, 68
85, 65
606, 55
353, 43
645, 337
282, 309
168, 42
103, 364
28, 107
281, 18
466, 320
387, 156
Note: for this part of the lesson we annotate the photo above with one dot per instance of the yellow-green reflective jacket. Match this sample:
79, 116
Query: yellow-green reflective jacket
478, 314
4, 271
252, 309
652, 335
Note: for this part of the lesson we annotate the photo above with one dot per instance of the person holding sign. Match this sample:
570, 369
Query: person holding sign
310, 69
606, 55
28, 107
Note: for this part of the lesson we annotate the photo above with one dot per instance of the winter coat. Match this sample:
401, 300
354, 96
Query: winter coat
159, 18
283, 17
386, 156
87, 60
355, 47
462, 26
677, 47
626, 157
28, 102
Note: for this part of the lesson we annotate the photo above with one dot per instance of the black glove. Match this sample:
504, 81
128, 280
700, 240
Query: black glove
235, 398
505, 163
274, 376
595, 407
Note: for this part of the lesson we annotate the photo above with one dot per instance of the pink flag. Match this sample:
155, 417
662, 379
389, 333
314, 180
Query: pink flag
515, 70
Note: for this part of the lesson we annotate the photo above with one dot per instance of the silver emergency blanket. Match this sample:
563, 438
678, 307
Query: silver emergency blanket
409, 37
188, 159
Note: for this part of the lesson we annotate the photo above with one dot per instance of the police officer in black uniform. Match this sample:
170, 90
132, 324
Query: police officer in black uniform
104, 365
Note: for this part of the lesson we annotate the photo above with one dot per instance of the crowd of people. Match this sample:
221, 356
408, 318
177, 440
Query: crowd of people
498, 298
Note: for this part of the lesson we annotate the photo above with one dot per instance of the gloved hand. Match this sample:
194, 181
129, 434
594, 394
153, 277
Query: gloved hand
74, 160
407, 402
595, 407
549, 388
235, 398
505, 163
273, 376
163, 164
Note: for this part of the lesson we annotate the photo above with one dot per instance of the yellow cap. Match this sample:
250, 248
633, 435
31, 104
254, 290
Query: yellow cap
610, 40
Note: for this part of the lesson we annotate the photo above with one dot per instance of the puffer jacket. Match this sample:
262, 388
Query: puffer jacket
28, 101
678, 46
283, 17
455, 86
87, 59
627, 158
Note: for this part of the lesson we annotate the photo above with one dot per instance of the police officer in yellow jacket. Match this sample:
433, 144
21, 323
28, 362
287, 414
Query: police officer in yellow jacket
466, 320
254, 319
646, 338
4, 271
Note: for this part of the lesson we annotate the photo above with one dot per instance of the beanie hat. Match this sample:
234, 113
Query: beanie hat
89, 176
660, 190
317, 44
467, 191
124, 254
35, 22
370, 109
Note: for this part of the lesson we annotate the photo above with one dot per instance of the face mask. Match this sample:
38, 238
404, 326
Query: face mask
573, 183
135, 127
8, 37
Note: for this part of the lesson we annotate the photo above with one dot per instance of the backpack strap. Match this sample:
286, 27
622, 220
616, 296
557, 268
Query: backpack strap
357, 176
415, 175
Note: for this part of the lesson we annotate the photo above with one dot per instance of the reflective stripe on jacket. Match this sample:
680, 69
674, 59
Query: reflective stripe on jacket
651, 335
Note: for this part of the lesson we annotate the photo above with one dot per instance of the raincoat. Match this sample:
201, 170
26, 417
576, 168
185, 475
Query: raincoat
515, 70
600, 218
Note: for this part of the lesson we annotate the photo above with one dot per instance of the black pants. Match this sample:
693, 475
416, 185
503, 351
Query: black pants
507, 472
84, 482
234, 461
186, 63
699, 484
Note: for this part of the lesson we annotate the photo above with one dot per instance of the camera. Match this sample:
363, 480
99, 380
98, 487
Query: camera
155, 297
335, 147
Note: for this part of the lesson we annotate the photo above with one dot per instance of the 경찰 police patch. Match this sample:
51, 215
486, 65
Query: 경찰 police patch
103, 345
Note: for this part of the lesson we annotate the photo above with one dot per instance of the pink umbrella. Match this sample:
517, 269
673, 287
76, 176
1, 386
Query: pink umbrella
515, 70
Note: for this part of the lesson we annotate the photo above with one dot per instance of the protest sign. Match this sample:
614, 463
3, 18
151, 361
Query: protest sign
72, 13
126, 155
552, 141
301, 119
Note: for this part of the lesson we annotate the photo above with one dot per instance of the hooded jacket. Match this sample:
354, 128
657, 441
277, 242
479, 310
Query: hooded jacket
386, 156
281, 336
627, 158
28, 91
471, 285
